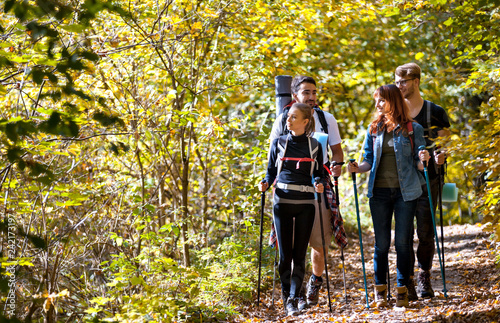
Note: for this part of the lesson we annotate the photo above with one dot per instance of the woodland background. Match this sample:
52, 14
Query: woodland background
133, 134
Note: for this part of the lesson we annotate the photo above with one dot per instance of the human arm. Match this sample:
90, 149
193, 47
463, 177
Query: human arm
440, 155
366, 165
422, 155
338, 157
441, 121
271, 168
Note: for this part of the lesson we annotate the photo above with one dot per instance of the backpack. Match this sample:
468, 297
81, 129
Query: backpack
428, 133
282, 145
321, 117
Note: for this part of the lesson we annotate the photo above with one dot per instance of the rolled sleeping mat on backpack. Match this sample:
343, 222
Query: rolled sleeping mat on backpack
322, 138
283, 87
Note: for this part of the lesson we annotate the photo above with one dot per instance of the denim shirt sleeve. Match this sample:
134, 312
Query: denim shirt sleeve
368, 156
418, 133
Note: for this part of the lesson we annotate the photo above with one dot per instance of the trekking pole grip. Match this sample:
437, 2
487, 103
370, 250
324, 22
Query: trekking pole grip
317, 180
353, 174
423, 148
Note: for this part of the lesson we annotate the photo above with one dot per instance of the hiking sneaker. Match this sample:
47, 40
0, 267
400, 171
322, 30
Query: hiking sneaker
284, 297
381, 295
313, 287
291, 307
412, 293
301, 301
424, 287
401, 296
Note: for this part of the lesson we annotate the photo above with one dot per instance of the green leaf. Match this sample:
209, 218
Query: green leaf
448, 22
136, 280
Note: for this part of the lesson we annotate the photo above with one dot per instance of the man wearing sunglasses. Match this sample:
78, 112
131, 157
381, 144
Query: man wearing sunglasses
436, 123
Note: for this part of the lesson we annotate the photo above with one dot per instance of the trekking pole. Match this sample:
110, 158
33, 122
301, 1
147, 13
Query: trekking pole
274, 274
429, 193
388, 283
262, 202
353, 176
440, 203
317, 180
336, 185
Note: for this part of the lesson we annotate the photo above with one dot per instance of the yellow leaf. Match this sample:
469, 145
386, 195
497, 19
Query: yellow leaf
419, 55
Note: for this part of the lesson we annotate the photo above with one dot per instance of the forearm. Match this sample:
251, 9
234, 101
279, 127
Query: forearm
364, 167
337, 153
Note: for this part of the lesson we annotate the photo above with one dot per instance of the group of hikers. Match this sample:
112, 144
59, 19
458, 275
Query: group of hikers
403, 122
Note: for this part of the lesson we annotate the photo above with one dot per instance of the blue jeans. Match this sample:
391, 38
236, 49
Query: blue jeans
293, 241
425, 227
383, 204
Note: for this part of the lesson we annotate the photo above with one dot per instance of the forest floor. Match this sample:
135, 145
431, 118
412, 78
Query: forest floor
472, 282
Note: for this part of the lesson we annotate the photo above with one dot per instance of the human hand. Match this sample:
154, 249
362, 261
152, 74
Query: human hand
439, 157
319, 187
353, 167
263, 186
336, 168
424, 156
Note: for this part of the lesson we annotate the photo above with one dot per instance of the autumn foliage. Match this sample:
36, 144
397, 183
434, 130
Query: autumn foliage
133, 134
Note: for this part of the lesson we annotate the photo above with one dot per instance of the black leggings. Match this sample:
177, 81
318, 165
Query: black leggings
293, 242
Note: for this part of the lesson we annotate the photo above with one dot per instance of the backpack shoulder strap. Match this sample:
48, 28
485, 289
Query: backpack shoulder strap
411, 135
322, 119
313, 151
429, 125
281, 147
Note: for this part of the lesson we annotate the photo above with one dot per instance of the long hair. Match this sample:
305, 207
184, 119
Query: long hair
398, 111
307, 113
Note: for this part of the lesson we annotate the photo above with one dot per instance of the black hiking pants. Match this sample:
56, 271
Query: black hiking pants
293, 239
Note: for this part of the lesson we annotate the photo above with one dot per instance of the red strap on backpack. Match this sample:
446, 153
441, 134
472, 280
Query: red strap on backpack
409, 126
298, 160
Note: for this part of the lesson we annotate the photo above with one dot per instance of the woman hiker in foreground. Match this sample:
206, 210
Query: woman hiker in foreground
293, 161
392, 156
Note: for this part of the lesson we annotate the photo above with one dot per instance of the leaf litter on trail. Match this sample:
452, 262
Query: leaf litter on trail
472, 281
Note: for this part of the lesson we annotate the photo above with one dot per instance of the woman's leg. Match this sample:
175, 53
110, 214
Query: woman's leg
283, 223
403, 216
304, 221
381, 208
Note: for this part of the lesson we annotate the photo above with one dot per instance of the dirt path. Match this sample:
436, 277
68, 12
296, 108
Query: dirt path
472, 281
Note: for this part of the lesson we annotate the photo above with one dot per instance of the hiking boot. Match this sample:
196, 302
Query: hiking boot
412, 293
284, 297
301, 301
401, 296
424, 284
313, 287
291, 307
380, 295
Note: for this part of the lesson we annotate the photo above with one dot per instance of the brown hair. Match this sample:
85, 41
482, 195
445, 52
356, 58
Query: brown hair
298, 80
411, 70
399, 113
307, 113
